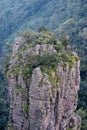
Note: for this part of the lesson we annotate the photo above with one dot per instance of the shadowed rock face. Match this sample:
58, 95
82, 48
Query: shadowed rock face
42, 96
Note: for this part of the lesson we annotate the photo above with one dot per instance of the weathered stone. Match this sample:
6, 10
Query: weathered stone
45, 100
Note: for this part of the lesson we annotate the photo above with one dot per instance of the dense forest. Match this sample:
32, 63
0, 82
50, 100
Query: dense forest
63, 17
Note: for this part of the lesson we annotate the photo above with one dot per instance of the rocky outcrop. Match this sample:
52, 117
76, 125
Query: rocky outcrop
43, 82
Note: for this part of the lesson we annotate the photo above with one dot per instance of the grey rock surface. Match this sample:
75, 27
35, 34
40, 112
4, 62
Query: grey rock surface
42, 103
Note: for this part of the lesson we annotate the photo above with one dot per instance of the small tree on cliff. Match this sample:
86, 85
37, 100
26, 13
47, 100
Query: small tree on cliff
65, 40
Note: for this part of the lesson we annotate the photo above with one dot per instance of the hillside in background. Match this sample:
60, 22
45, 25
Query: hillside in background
16, 15
63, 17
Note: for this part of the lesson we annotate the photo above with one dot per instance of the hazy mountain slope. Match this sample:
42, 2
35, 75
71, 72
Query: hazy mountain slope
16, 15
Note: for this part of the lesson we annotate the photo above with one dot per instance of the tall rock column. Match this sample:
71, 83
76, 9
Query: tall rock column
43, 82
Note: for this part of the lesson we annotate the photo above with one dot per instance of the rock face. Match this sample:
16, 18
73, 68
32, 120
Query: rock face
43, 81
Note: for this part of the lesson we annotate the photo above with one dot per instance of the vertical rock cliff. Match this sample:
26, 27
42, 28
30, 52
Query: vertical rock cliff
43, 82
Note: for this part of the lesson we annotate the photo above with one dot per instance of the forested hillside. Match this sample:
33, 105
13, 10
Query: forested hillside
61, 16
16, 15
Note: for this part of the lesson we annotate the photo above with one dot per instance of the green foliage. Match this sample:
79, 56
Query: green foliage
44, 37
58, 46
83, 115
48, 60
45, 59
53, 77
38, 13
65, 40
15, 71
25, 107
69, 129
69, 59
42, 28
4, 106
19, 90
27, 72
